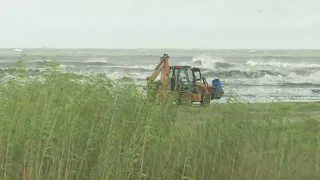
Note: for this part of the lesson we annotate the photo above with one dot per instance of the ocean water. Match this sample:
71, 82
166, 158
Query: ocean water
254, 75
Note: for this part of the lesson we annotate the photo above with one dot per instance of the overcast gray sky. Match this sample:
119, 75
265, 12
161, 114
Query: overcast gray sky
160, 23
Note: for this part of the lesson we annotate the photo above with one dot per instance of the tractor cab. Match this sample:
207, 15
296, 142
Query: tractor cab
197, 75
184, 76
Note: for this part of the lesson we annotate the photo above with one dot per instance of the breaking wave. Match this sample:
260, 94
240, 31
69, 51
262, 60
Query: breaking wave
245, 71
214, 63
256, 74
279, 64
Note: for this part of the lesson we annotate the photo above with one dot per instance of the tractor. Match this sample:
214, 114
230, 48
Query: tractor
186, 81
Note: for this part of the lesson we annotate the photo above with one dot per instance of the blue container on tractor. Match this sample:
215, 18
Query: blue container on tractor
217, 90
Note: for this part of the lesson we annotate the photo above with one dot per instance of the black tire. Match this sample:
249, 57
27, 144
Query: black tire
212, 92
205, 99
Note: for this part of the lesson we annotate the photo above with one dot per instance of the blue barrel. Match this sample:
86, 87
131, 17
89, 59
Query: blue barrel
217, 90
217, 84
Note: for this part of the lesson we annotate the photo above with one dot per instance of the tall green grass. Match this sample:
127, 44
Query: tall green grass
98, 129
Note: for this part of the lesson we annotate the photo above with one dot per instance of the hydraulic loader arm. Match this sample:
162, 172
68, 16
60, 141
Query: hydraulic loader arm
164, 69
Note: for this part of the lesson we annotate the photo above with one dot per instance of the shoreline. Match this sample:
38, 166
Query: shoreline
269, 102
288, 102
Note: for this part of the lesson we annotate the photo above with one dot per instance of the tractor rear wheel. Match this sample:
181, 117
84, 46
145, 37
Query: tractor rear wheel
205, 99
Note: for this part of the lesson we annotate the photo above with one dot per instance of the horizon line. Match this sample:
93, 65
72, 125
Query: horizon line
159, 48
